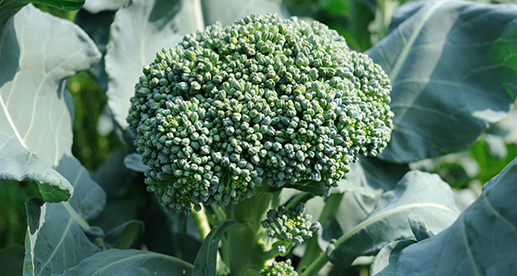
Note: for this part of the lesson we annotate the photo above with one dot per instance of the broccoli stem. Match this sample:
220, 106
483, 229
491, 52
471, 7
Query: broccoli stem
316, 265
244, 249
201, 222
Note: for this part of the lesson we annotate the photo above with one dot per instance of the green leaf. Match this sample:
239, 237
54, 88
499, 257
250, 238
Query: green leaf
481, 241
206, 260
61, 4
123, 236
97, 6
55, 239
134, 162
40, 111
57, 233
113, 176
8, 8
130, 262
35, 115
142, 28
419, 193
97, 26
453, 70
385, 263
310, 186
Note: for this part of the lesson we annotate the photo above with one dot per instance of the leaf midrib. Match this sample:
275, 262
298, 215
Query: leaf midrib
407, 47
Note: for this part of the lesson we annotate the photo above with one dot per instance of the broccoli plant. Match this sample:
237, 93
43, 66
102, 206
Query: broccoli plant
255, 142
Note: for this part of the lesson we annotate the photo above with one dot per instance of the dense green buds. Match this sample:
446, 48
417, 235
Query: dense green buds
290, 227
279, 269
264, 101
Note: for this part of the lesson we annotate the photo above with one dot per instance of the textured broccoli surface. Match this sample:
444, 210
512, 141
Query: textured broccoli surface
289, 226
264, 101
279, 269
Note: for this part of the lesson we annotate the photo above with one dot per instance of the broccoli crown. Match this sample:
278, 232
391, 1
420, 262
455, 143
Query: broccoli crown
289, 226
262, 101
279, 269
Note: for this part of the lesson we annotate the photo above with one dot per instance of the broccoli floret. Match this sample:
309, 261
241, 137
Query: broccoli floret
279, 269
290, 227
264, 101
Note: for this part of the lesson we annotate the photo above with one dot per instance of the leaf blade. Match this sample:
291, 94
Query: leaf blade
453, 72
35, 120
417, 193
484, 235
206, 260
130, 262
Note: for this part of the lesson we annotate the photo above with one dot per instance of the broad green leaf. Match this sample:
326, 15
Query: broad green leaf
35, 108
124, 235
365, 182
38, 112
113, 176
385, 262
453, 69
419, 193
8, 8
141, 28
134, 162
56, 237
97, 26
61, 4
481, 241
130, 262
97, 6
309, 186
206, 260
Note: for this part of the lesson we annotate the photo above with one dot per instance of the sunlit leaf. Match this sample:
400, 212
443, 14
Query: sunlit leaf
482, 241
453, 70
419, 193
35, 108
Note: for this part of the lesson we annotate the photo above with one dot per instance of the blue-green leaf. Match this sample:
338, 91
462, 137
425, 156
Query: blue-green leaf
130, 262
206, 260
57, 232
453, 70
97, 6
385, 263
419, 193
35, 108
97, 27
124, 235
481, 241
8, 8
55, 238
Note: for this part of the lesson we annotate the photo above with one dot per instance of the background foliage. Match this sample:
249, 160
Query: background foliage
97, 144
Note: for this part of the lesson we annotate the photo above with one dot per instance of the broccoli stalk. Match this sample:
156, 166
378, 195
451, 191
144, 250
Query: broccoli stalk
233, 113
246, 248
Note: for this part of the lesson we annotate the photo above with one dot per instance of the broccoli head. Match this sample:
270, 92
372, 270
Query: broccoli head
264, 101
279, 269
289, 226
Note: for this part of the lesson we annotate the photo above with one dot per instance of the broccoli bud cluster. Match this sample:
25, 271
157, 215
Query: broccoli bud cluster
290, 227
262, 101
279, 269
